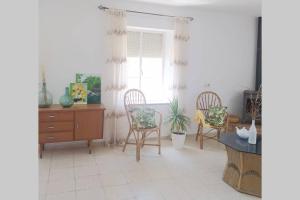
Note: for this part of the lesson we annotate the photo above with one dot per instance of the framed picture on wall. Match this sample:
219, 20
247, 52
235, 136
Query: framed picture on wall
93, 82
78, 92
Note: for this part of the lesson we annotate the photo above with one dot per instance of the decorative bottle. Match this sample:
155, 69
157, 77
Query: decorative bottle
252, 133
66, 100
45, 97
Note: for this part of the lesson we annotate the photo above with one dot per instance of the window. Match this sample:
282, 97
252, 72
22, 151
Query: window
148, 63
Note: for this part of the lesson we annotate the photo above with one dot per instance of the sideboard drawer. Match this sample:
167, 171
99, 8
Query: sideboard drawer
55, 137
56, 116
46, 127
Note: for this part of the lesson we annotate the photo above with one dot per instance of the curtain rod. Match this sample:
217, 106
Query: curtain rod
147, 13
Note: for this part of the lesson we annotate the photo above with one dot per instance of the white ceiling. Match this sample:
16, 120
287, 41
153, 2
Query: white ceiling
252, 6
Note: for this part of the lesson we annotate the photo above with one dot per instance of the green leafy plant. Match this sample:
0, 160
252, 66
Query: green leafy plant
177, 120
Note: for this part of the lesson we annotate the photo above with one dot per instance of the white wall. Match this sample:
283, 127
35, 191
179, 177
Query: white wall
221, 53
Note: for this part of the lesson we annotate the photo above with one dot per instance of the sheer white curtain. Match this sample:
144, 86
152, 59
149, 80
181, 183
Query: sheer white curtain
117, 72
180, 62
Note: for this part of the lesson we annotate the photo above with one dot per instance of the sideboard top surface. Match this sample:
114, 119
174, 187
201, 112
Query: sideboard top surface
57, 107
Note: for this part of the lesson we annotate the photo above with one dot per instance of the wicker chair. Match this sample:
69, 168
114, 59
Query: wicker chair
204, 101
132, 98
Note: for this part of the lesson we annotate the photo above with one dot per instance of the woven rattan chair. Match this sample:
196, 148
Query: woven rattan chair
204, 101
134, 97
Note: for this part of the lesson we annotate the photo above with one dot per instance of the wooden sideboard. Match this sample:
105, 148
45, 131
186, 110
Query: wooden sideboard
80, 122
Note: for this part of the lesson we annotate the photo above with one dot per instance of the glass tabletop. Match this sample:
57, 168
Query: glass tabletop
233, 141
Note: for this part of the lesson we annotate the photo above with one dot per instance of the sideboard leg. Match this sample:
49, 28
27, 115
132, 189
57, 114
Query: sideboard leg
89, 145
40, 151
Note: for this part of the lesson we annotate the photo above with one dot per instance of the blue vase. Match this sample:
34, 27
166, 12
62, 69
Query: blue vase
66, 100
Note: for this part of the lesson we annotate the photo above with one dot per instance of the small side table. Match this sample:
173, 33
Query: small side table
243, 168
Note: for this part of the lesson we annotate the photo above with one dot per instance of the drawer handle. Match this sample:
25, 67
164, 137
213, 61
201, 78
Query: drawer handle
50, 137
51, 127
51, 116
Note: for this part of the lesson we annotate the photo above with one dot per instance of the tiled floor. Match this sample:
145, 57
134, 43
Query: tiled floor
68, 172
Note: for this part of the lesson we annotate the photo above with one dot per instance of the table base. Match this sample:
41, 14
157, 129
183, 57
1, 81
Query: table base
243, 172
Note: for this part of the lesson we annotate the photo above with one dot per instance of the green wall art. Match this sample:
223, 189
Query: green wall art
93, 82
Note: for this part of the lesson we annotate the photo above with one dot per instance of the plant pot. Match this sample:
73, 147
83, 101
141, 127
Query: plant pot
178, 140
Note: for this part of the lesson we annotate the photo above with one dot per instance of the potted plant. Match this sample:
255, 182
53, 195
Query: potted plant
178, 123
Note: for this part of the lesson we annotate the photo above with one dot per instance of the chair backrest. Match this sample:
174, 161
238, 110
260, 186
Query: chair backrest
133, 97
207, 99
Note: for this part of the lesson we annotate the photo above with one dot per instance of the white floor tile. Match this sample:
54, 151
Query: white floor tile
91, 194
42, 197
87, 182
170, 189
122, 192
60, 186
61, 174
109, 167
43, 187
83, 160
145, 190
68, 171
62, 196
62, 163
113, 179
44, 174
137, 176
86, 171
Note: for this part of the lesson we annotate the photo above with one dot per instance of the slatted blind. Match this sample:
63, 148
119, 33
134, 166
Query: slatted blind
133, 44
152, 44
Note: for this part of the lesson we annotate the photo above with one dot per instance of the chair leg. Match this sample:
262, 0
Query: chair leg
138, 152
201, 137
143, 139
197, 135
127, 138
138, 147
159, 142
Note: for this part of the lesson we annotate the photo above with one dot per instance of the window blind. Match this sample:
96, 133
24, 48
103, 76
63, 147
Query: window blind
133, 44
152, 44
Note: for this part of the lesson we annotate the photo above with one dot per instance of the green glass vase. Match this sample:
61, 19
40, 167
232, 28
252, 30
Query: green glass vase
45, 97
66, 100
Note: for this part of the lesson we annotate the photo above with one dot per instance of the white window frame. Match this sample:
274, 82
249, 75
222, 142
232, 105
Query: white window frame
164, 32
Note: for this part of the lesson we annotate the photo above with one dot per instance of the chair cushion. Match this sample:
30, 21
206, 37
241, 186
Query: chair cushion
216, 115
143, 117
